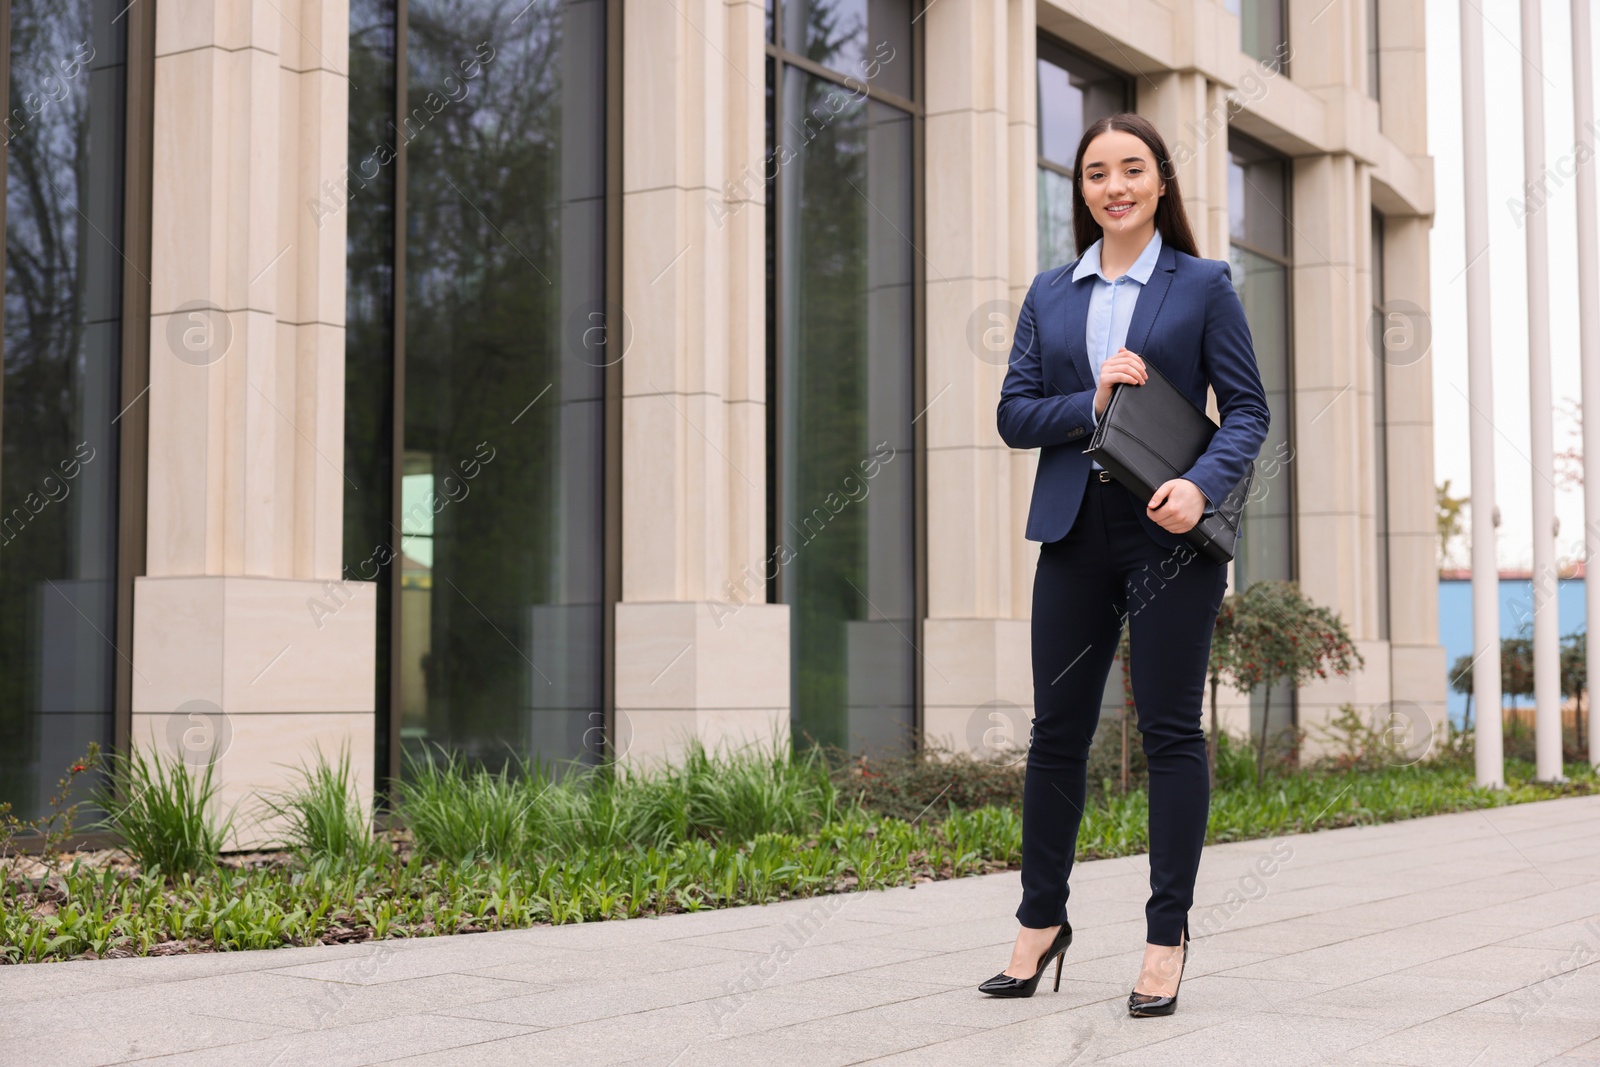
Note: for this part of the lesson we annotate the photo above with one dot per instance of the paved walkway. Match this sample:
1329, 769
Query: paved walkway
1467, 940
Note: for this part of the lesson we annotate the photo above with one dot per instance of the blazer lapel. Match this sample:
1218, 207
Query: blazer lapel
1150, 298
1077, 316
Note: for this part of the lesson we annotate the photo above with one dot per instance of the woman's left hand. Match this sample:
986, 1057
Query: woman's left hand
1177, 505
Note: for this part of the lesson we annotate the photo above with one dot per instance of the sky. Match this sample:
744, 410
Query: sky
1503, 57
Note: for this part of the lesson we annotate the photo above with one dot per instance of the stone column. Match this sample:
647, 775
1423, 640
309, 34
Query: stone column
1417, 666
981, 152
1333, 419
698, 650
1417, 661
1191, 112
1379, 146
244, 636
1403, 75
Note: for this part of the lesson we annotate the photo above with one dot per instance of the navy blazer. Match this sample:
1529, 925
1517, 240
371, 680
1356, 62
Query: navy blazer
1188, 324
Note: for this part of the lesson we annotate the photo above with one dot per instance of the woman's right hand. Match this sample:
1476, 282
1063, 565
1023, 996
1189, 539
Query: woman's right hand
1124, 367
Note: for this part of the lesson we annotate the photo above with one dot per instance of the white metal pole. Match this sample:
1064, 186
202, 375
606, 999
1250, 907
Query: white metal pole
1488, 743
1588, 332
1541, 400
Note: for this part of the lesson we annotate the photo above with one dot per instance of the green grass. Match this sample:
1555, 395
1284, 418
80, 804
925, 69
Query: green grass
163, 810
459, 814
490, 851
322, 820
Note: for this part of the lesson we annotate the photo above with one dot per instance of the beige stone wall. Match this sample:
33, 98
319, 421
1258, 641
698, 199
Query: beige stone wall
241, 609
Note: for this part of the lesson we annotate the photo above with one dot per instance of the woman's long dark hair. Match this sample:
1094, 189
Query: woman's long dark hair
1171, 219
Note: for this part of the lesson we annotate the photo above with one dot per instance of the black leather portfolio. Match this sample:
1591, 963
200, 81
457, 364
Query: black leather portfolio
1151, 433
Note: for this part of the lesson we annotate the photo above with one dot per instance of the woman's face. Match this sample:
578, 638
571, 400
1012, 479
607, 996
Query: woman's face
1120, 183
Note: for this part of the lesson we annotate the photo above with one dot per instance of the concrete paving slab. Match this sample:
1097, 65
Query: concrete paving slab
349, 1046
312, 1004
1459, 1038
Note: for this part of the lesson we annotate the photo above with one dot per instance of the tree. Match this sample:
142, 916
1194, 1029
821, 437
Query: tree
1569, 461
1575, 680
1516, 667
1516, 674
1278, 635
1449, 517
1461, 682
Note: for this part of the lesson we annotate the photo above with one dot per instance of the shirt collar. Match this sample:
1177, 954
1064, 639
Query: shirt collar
1140, 271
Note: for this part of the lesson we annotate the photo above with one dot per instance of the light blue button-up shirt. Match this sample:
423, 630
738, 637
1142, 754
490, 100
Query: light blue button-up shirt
1111, 308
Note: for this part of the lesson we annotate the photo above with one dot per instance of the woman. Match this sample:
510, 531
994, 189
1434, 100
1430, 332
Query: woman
1138, 294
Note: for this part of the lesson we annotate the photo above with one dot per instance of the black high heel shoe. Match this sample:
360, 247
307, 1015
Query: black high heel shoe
1003, 985
1141, 1005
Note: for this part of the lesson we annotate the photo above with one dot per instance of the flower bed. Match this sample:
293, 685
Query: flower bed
517, 848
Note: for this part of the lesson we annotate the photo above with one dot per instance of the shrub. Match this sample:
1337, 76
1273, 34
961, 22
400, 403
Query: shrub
1277, 635
928, 783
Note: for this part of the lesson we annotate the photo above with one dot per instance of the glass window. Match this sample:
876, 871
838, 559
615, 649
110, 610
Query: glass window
1263, 31
1258, 193
499, 283
1263, 287
1057, 242
1258, 218
865, 39
1073, 92
369, 323
64, 142
841, 376
1380, 429
1372, 49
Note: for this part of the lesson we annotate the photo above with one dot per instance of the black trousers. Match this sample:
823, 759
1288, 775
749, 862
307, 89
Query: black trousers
1107, 569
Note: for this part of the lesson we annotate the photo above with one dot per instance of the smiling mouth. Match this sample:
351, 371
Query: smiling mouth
1119, 209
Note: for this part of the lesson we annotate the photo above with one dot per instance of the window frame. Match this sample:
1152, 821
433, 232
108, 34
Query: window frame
389, 690
1374, 50
1053, 50
1255, 151
138, 151
1276, 63
1286, 261
777, 56
1380, 430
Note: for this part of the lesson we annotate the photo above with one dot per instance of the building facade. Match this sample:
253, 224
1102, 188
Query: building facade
568, 379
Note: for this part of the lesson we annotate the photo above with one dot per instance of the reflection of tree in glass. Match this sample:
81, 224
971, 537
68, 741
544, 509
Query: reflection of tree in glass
44, 320
369, 279
503, 215
62, 304
369, 314
828, 411
835, 32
